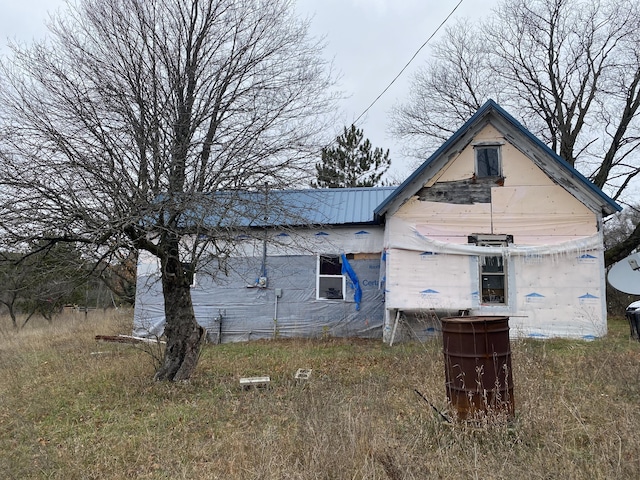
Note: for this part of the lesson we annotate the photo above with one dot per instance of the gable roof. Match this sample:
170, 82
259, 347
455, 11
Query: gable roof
544, 157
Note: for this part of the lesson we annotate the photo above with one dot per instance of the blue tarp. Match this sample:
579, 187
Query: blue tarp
355, 283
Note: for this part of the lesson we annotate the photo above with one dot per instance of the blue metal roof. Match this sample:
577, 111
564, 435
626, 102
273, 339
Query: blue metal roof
415, 181
331, 206
342, 206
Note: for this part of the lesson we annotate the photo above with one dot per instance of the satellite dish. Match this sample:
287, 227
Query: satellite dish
625, 275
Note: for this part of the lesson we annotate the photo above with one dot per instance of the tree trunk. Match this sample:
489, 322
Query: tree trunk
184, 334
12, 314
622, 249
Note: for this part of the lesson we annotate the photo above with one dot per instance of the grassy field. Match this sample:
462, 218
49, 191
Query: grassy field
71, 408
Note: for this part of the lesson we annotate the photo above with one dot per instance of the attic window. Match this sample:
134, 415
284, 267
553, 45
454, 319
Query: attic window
330, 283
488, 161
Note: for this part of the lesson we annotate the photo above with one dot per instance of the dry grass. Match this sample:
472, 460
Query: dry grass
67, 413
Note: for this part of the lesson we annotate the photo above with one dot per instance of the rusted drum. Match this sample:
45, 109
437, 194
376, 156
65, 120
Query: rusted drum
477, 358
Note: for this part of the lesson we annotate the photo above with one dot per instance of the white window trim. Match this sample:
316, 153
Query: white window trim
488, 240
504, 274
319, 276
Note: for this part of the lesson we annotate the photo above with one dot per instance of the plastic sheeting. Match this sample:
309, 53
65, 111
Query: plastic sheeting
232, 309
554, 287
289, 242
552, 290
415, 240
353, 279
534, 215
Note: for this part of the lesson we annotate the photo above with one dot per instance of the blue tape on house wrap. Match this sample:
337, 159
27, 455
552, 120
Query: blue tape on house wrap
355, 283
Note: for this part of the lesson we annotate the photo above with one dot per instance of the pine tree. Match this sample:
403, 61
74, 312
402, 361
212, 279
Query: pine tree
351, 163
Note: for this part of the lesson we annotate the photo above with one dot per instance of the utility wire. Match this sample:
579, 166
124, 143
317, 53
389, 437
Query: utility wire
408, 63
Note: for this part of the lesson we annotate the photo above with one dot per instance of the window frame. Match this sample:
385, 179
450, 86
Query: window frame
188, 272
484, 275
328, 277
486, 146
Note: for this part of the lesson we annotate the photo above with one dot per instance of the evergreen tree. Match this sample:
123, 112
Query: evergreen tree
351, 163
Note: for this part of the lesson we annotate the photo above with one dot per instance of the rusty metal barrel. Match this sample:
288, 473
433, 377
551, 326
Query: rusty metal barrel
477, 358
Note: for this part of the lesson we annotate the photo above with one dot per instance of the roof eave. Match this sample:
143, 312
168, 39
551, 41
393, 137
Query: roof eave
594, 197
417, 177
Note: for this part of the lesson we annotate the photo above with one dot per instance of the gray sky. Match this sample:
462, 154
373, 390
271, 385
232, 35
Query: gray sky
370, 41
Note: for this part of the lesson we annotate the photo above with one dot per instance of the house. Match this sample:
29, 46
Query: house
311, 269
493, 223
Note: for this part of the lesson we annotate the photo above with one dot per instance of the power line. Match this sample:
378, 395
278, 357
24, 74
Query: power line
408, 63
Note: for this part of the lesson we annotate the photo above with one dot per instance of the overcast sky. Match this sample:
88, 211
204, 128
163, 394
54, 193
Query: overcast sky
369, 41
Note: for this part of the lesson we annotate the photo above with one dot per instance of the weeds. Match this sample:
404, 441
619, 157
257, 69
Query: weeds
67, 412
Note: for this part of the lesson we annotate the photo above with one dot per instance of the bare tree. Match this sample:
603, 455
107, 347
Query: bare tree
14, 285
118, 131
446, 91
41, 280
570, 70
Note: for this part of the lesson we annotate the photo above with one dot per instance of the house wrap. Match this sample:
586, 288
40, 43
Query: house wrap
493, 223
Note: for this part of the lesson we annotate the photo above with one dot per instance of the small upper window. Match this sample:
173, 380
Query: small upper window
488, 161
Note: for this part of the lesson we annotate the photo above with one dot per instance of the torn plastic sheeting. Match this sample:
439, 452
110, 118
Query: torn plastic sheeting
382, 276
579, 245
407, 236
355, 283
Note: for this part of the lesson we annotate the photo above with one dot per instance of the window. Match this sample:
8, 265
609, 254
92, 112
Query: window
488, 161
492, 279
187, 270
330, 282
493, 272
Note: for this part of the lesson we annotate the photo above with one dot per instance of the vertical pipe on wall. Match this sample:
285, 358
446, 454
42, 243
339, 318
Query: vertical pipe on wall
263, 270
